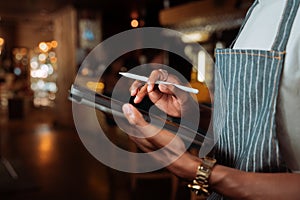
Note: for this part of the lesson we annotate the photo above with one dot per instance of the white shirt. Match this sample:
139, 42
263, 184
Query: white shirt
259, 33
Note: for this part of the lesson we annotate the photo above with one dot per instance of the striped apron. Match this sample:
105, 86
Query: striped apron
249, 82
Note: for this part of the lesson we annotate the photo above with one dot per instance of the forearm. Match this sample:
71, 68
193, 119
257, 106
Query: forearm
237, 184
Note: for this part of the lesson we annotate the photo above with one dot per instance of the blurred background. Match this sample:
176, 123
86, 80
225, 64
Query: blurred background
42, 46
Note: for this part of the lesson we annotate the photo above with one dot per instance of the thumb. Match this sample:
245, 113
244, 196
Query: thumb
133, 116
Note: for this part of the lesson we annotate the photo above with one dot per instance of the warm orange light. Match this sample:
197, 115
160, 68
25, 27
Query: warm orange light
1, 41
53, 60
45, 148
54, 44
95, 86
134, 23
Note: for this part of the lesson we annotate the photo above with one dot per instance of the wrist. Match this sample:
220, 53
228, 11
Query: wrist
185, 167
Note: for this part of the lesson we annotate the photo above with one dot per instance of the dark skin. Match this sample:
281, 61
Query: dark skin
232, 183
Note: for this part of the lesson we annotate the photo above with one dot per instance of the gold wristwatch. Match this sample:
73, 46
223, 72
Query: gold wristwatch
200, 184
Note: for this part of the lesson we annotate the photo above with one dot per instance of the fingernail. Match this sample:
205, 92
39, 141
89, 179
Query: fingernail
149, 87
132, 92
127, 110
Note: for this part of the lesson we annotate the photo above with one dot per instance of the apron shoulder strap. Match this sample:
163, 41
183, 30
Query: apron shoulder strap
286, 25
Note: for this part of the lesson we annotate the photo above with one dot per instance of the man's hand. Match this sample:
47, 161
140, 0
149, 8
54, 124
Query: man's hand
168, 98
163, 145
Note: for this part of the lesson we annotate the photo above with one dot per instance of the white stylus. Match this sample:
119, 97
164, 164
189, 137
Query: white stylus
145, 79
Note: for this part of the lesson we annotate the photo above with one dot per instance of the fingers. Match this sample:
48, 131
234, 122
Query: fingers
140, 90
134, 88
161, 75
148, 135
156, 75
133, 116
169, 92
151, 138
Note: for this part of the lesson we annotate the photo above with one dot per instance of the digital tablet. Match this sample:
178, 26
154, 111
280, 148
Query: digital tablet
85, 96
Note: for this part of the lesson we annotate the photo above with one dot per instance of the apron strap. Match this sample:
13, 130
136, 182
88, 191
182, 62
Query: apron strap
286, 25
244, 22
